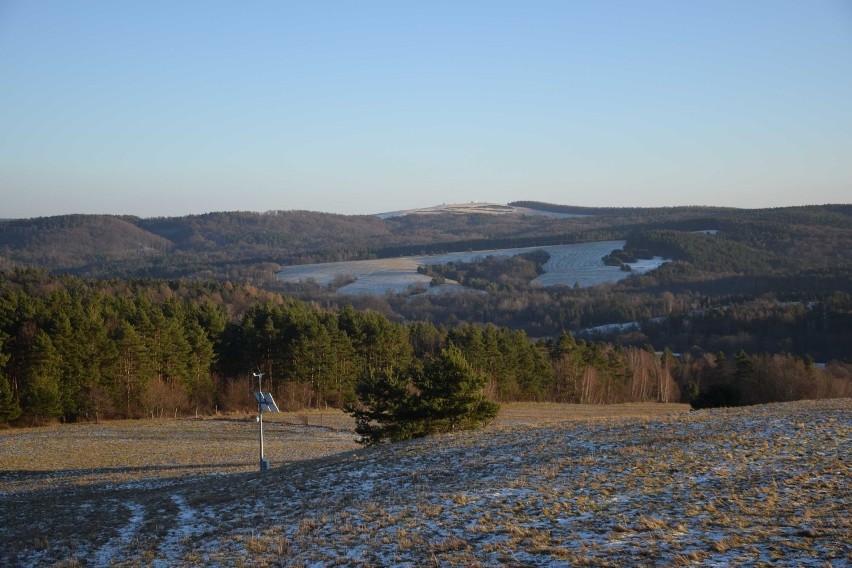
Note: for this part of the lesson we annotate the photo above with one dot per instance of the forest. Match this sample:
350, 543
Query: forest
74, 349
105, 316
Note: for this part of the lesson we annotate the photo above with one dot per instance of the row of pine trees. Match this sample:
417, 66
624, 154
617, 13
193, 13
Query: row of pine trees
72, 349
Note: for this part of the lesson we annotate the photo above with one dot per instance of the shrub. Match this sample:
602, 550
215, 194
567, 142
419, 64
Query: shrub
723, 394
446, 395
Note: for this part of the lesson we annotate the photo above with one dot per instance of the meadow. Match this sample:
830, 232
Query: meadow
544, 485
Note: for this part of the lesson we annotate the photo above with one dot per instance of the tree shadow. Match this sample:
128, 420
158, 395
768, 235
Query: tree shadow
17, 483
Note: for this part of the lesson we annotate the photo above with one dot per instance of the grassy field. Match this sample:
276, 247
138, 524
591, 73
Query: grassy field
545, 485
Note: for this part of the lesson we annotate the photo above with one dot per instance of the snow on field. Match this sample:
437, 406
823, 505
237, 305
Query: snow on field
568, 264
126, 532
747, 486
615, 327
582, 264
480, 207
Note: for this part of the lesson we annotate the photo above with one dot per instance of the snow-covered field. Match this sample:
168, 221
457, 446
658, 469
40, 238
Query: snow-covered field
766, 485
477, 207
568, 264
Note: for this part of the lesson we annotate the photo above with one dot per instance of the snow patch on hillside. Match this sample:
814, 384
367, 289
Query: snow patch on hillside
476, 207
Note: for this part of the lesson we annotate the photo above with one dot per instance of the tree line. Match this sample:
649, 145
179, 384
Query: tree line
492, 273
73, 349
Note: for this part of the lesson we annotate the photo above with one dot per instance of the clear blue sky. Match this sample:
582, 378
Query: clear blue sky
161, 108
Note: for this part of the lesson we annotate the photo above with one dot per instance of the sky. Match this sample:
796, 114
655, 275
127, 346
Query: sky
167, 108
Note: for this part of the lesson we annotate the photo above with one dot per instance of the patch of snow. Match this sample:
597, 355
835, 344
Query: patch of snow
730, 486
477, 207
115, 546
580, 264
188, 525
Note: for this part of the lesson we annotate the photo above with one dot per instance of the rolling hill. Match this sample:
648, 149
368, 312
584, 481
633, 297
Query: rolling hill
233, 244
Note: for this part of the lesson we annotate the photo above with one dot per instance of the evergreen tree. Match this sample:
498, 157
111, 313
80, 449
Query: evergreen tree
199, 383
338, 380
534, 373
446, 395
450, 394
134, 369
379, 343
40, 390
308, 352
386, 408
9, 407
749, 382
568, 367
426, 339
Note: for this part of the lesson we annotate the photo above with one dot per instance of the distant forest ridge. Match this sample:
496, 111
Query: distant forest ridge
585, 210
843, 209
251, 247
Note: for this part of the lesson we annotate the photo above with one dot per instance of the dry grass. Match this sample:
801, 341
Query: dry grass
540, 414
757, 486
120, 451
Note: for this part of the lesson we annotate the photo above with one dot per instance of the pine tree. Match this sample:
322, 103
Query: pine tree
9, 407
40, 392
386, 409
451, 394
342, 372
202, 354
379, 343
446, 395
133, 370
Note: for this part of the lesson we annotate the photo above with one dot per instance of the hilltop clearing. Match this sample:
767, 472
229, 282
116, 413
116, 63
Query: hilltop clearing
477, 207
722, 487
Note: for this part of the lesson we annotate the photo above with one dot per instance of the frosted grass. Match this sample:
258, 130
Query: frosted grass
748, 486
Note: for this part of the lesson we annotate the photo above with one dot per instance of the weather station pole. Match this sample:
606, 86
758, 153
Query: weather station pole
260, 419
264, 403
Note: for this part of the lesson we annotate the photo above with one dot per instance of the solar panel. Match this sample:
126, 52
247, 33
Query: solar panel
266, 402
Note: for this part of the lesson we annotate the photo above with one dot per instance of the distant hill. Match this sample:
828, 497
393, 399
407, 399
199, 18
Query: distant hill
241, 245
243, 231
201, 245
70, 241
580, 210
478, 208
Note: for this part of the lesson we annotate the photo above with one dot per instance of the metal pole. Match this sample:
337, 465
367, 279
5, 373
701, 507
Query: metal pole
260, 417
264, 402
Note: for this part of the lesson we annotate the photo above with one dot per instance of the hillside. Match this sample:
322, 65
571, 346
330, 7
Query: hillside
724, 487
71, 241
786, 271
241, 245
